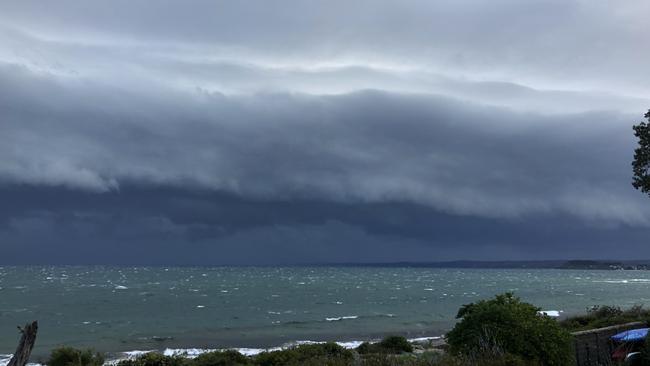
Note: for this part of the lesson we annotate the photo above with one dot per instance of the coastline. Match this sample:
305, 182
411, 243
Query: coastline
112, 358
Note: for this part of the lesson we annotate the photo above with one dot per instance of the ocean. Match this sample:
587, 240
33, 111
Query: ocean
121, 309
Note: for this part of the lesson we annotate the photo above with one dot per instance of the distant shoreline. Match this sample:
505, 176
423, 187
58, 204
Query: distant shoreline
580, 264
541, 264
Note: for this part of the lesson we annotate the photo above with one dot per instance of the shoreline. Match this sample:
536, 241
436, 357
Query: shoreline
112, 358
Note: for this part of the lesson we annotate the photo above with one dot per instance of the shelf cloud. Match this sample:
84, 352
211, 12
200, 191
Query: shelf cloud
321, 126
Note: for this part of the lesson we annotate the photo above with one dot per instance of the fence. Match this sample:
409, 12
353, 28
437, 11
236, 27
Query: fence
593, 347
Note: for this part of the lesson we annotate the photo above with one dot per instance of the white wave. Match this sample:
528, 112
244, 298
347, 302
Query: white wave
348, 317
246, 351
250, 351
121, 287
423, 339
631, 280
5, 358
136, 353
350, 344
551, 313
186, 352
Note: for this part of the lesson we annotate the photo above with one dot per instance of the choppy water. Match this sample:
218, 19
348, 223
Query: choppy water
121, 309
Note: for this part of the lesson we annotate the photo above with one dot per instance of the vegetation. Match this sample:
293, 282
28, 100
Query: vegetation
604, 316
68, 356
156, 359
641, 163
507, 327
225, 358
308, 354
389, 345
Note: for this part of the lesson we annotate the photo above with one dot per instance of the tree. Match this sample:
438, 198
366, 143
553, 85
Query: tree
508, 326
641, 163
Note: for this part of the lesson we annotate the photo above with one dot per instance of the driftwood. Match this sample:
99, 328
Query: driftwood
24, 349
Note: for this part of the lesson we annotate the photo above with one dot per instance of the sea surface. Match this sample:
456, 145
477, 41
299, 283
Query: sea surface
119, 309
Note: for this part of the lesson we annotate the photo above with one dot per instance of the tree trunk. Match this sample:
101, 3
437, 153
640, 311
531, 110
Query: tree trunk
25, 346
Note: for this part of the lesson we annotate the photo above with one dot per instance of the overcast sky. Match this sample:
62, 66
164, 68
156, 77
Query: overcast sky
260, 132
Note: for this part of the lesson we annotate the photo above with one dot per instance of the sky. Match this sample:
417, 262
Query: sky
293, 131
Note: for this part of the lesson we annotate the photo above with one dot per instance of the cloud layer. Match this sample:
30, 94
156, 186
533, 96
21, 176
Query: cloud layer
499, 110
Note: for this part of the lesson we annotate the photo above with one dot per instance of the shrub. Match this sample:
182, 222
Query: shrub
366, 348
156, 359
505, 325
224, 358
603, 316
384, 359
68, 356
313, 354
390, 344
395, 344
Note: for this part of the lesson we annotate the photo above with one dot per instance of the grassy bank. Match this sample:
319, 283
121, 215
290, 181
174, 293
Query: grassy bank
604, 316
391, 351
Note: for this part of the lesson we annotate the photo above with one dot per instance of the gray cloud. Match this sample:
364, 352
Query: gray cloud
364, 146
544, 44
505, 112
164, 225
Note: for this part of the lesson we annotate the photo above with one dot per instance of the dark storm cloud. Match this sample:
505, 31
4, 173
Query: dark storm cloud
320, 129
156, 225
365, 146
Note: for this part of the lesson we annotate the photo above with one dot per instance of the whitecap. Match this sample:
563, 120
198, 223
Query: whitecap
551, 313
121, 288
347, 317
4, 359
423, 339
136, 353
350, 344
186, 352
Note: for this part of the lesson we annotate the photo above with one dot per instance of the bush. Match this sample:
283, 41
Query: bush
505, 325
395, 344
156, 359
390, 344
225, 358
384, 359
306, 354
68, 356
604, 316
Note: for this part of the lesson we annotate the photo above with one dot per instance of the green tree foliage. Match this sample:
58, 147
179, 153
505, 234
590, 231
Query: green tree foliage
307, 354
388, 345
156, 359
641, 163
603, 316
68, 356
506, 325
222, 358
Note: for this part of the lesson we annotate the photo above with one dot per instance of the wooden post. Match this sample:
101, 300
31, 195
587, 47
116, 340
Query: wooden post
24, 349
